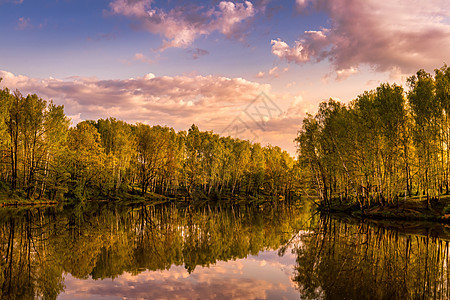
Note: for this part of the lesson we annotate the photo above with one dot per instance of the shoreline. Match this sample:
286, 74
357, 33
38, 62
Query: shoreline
152, 199
408, 211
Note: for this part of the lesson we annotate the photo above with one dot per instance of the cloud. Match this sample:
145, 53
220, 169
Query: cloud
182, 25
211, 102
307, 49
290, 54
197, 53
176, 101
24, 23
149, 76
345, 73
131, 8
234, 279
291, 119
302, 5
141, 57
291, 84
260, 74
231, 15
160, 285
11, 1
276, 72
273, 73
395, 36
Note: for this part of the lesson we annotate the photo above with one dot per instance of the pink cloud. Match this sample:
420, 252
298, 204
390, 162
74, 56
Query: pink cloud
291, 54
260, 74
387, 36
307, 49
131, 8
345, 73
273, 73
230, 15
177, 101
24, 23
211, 102
141, 57
181, 26
235, 279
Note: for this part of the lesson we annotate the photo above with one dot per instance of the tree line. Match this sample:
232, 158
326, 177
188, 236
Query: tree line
42, 156
386, 144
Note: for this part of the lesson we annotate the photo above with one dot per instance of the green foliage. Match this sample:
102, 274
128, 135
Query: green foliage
110, 159
383, 145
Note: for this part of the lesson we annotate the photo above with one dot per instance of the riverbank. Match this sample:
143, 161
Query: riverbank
18, 199
411, 209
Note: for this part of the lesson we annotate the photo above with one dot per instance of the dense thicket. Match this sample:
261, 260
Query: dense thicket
42, 156
385, 144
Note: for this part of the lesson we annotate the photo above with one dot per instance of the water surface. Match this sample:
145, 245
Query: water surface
106, 251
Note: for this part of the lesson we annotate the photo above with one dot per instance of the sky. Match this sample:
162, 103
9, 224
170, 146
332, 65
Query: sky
250, 69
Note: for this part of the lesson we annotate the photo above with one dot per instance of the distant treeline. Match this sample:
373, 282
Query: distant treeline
385, 144
43, 157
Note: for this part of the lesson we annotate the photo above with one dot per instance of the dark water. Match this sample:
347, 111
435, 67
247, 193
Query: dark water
96, 251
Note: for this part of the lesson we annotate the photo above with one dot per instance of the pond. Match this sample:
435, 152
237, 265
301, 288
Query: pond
106, 251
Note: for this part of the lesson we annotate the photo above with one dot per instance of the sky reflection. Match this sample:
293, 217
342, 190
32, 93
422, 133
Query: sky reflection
266, 276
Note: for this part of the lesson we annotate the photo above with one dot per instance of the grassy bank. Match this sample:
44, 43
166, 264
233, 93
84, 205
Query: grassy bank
409, 209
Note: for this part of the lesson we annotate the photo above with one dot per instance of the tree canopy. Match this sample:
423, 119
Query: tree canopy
385, 144
44, 157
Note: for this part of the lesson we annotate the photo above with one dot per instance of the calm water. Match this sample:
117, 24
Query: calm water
117, 252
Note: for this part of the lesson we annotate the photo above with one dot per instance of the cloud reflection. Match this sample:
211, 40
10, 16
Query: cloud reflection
266, 276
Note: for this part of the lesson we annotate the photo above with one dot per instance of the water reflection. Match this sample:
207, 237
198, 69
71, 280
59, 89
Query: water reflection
263, 252
340, 260
249, 278
51, 252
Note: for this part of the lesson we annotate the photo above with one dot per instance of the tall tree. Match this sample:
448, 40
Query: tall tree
425, 114
85, 159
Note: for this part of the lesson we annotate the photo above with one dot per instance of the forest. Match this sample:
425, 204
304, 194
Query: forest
44, 157
386, 145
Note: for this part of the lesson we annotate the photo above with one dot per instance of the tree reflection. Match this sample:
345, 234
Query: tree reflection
39, 246
336, 259
26, 269
363, 261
